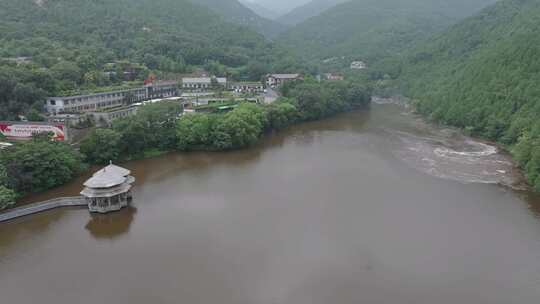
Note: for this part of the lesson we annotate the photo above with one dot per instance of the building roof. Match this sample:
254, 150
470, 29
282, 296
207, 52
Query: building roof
207, 80
162, 83
108, 177
105, 179
247, 83
115, 169
285, 76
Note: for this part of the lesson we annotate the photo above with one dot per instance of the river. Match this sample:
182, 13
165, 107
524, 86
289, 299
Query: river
367, 207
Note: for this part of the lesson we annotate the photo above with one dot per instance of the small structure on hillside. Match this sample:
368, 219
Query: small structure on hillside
358, 65
333, 77
109, 189
277, 80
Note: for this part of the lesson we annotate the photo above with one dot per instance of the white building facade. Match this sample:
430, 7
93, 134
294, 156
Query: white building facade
99, 101
203, 83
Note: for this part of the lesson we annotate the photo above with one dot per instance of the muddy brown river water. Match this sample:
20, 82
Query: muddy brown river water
366, 207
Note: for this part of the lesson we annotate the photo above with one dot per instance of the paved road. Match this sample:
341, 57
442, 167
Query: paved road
270, 96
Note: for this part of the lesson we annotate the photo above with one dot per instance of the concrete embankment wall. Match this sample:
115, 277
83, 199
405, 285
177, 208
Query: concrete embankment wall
42, 206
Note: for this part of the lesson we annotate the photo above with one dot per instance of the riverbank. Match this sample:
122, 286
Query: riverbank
302, 213
156, 129
522, 183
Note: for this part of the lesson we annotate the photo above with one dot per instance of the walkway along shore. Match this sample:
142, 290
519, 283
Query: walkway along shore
43, 206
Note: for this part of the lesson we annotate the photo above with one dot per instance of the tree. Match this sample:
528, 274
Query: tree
39, 164
34, 115
134, 136
3, 175
67, 70
244, 125
7, 197
195, 132
281, 114
102, 146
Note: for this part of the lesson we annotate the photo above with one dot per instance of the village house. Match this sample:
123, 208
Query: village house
98, 101
203, 83
247, 87
277, 80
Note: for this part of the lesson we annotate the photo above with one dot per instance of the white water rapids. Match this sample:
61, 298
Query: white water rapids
447, 153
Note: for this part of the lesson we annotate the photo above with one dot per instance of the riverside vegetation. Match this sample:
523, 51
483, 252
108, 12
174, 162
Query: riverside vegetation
40, 164
482, 76
59, 47
479, 74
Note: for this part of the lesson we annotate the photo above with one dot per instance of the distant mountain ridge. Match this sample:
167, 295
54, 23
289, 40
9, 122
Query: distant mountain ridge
374, 29
281, 6
236, 12
308, 10
261, 10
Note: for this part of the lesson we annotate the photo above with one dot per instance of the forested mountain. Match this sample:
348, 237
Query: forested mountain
281, 6
483, 75
70, 45
373, 29
260, 9
236, 12
308, 10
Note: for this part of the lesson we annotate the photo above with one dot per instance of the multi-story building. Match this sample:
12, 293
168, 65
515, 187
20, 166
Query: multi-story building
277, 80
99, 101
202, 83
247, 87
105, 117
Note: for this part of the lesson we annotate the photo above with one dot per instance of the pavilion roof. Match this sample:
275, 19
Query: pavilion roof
105, 179
115, 169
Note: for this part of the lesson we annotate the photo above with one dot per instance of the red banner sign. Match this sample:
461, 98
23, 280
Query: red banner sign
26, 130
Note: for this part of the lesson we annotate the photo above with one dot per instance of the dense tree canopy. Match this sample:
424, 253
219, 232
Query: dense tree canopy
39, 164
242, 127
373, 30
153, 128
60, 47
482, 75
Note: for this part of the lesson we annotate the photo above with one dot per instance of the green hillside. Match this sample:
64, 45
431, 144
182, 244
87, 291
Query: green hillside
260, 9
308, 10
482, 75
72, 43
236, 12
373, 29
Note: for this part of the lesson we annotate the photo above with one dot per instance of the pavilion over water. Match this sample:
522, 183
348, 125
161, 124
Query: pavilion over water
109, 189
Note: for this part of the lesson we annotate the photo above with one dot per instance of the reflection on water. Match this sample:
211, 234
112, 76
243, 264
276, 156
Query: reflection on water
112, 225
